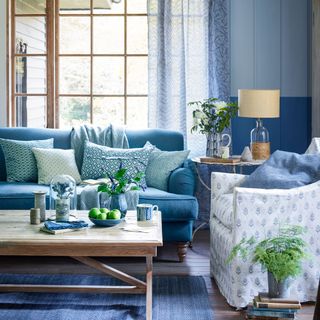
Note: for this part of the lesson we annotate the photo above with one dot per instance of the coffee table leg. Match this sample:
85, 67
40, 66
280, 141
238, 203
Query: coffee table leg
149, 288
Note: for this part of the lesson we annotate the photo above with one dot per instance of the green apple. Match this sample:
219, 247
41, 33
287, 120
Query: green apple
94, 212
102, 216
114, 214
104, 210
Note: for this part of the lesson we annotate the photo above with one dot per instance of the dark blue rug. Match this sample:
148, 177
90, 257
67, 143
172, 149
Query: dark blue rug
174, 297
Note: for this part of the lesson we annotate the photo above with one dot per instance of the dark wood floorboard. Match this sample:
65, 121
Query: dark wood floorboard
196, 263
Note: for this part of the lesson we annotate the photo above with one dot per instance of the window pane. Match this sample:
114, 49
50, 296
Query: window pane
31, 75
137, 35
30, 6
137, 112
137, 75
137, 6
108, 75
31, 35
74, 111
108, 110
74, 35
74, 75
108, 35
74, 6
107, 7
31, 112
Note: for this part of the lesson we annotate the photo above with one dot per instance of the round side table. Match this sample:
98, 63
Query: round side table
203, 191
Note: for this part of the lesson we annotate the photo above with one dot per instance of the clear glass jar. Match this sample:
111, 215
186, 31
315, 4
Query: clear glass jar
259, 133
260, 144
63, 197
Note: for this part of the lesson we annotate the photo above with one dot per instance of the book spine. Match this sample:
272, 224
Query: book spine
276, 310
276, 305
275, 314
277, 300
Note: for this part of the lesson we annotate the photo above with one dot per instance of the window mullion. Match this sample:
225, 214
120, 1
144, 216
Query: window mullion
91, 61
50, 65
125, 62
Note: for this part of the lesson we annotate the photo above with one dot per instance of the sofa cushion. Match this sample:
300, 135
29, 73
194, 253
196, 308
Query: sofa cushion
19, 195
223, 209
61, 140
161, 165
54, 162
174, 207
99, 160
20, 162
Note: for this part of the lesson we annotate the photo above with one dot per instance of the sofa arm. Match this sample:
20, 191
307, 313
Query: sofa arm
182, 180
222, 183
260, 212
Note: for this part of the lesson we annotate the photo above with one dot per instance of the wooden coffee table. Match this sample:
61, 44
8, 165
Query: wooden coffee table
19, 237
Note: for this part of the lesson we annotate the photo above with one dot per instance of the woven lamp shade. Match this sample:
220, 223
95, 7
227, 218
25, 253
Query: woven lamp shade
259, 103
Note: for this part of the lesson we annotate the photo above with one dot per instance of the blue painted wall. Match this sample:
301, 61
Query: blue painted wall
271, 48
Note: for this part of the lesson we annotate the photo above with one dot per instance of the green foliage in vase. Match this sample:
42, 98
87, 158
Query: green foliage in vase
120, 183
212, 115
280, 255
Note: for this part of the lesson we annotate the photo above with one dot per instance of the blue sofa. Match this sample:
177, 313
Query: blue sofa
178, 206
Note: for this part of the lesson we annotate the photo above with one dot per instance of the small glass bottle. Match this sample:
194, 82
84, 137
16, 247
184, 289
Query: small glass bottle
260, 144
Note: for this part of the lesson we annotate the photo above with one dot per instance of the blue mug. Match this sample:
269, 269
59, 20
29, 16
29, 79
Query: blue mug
144, 211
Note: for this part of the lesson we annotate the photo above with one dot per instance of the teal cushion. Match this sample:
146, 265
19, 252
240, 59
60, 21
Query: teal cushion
20, 162
99, 160
160, 166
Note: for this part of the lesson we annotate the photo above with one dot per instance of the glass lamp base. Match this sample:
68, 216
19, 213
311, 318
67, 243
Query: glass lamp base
260, 150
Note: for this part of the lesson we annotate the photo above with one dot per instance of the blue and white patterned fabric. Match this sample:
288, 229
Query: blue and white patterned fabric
21, 164
189, 60
100, 160
258, 213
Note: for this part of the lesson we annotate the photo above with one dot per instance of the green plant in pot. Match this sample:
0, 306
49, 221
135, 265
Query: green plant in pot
280, 255
117, 185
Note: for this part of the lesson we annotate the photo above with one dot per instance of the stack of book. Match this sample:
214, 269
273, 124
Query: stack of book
263, 308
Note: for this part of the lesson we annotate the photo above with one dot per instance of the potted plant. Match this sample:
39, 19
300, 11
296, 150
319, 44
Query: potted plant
280, 255
117, 185
211, 117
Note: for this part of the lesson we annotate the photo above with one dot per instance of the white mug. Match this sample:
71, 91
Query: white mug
224, 152
145, 211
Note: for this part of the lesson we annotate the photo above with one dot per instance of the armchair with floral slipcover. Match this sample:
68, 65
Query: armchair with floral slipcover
244, 212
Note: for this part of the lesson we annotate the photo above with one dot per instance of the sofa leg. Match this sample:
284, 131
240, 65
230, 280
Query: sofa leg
182, 250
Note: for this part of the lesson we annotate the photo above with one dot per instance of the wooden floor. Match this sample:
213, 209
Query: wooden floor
196, 263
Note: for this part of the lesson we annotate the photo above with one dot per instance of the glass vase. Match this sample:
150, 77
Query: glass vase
117, 201
63, 197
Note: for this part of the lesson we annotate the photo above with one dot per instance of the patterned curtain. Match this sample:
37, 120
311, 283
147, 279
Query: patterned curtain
188, 61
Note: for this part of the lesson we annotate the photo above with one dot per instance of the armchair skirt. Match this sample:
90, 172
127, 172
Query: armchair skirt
238, 213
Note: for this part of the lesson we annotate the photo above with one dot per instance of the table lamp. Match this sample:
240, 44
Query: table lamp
259, 104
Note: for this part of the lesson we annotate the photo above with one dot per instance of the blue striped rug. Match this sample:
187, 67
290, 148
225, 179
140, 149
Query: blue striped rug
174, 297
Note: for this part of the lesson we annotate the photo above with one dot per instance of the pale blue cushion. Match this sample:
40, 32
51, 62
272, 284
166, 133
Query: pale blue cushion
20, 162
285, 170
99, 160
161, 165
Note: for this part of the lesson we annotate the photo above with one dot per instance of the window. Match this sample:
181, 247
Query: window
79, 61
